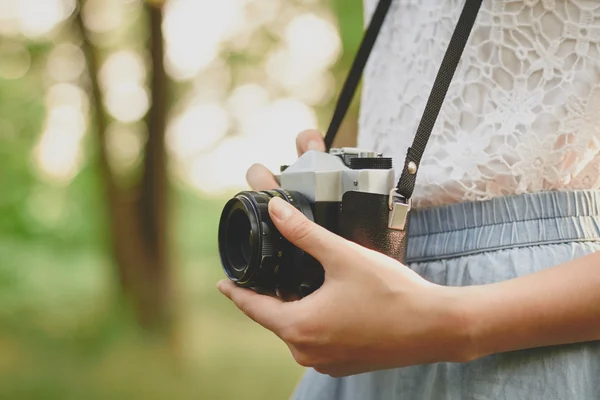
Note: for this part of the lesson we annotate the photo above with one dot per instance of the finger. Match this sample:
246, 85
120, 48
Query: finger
309, 140
260, 178
265, 310
305, 234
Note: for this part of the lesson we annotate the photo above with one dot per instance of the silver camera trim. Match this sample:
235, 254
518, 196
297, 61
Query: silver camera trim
399, 209
326, 176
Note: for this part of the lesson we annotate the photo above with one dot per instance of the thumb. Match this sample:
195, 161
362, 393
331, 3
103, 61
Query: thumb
303, 233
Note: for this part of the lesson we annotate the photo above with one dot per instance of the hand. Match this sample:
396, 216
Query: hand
371, 313
260, 178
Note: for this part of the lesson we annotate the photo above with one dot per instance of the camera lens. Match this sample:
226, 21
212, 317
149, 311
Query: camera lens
239, 226
239, 240
253, 252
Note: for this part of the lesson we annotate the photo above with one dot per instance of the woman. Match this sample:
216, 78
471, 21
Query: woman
501, 294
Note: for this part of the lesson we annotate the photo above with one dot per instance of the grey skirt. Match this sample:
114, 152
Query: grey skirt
478, 243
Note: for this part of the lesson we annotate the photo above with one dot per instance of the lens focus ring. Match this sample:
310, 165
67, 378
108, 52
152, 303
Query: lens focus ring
262, 206
253, 252
267, 242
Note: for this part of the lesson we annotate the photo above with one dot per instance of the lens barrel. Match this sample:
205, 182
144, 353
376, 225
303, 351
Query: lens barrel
253, 252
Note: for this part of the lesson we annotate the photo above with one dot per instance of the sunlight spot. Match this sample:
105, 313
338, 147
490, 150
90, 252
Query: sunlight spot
304, 32
127, 102
225, 167
102, 16
66, 62
246, 101
196, 129
318, 89
122, 67
267, 136
66, 94
58, 154
193, 31
9, 17
39, 17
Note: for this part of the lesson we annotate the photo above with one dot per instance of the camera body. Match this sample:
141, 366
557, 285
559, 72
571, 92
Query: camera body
348, 191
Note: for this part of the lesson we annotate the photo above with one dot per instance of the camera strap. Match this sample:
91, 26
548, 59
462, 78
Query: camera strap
406, 183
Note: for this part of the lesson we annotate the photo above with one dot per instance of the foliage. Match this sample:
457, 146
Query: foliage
64, 334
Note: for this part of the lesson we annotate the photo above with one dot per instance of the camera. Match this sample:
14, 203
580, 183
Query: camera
351, 192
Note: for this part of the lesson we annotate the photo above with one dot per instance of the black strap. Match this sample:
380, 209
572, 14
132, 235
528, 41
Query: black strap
406, 183
358, 66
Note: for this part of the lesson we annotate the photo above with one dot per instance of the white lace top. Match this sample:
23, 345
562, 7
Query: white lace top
522, 114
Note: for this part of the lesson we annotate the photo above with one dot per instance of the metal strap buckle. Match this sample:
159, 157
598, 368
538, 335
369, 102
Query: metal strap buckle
399, 209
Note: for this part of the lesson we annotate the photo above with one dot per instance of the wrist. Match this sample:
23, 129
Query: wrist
442, 329
460, 322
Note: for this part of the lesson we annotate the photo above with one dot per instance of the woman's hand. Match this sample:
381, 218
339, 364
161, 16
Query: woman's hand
374, 313
260, 178
371, 313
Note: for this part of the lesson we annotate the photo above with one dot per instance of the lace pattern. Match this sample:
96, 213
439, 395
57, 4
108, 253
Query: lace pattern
522, 114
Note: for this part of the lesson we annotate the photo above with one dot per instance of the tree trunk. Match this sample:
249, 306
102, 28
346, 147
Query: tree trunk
154, 185
137, 215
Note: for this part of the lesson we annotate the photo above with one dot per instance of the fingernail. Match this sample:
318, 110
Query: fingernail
280, 209
314, 145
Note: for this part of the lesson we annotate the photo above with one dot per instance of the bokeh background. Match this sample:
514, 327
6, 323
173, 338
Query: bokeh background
124, 126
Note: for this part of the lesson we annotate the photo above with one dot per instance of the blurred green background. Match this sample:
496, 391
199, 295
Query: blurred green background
124, 126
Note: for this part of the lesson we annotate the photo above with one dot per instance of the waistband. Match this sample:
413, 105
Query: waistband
504, 222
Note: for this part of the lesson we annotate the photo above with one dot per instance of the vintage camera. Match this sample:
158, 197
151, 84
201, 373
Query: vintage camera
349, 191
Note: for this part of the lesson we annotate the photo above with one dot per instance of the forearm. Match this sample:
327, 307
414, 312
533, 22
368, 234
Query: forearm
558, 305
